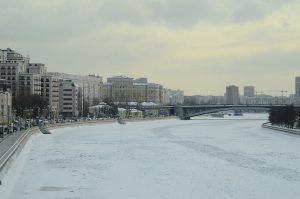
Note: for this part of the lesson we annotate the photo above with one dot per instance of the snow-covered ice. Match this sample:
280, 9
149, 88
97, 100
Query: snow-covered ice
159, 159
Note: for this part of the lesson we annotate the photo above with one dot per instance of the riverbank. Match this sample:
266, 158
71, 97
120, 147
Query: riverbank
13, 143
268, 125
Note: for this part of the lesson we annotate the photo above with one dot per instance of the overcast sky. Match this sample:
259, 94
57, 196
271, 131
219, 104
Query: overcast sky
199, 46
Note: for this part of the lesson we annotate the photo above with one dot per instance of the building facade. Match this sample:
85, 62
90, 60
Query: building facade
68, 98
121, 88
173, 97
11, 65
5, 107
126, 89
36, 68
89, 85
249, 91
29, 84
50, 93
232, 95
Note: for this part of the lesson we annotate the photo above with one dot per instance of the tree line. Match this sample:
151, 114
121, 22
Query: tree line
287, 117
35, 103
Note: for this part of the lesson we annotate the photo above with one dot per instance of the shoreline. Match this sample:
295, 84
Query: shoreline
7, 159
268, 125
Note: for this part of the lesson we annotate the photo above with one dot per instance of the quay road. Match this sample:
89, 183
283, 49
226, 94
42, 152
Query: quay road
9, 144
8, 140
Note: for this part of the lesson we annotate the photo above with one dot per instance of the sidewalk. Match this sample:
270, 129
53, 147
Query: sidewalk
8, 141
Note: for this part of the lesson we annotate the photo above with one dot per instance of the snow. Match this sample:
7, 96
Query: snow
200, 158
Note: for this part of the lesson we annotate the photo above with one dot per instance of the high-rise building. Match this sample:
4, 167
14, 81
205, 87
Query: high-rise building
249, 91
11, 65
232, 95
297, 86
68, 98
50, 93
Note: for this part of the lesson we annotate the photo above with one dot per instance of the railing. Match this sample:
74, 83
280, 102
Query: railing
5, 157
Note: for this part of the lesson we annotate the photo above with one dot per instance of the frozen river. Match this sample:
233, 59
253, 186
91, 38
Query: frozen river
169, 159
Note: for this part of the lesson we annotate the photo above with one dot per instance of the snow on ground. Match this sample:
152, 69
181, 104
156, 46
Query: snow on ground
161, 159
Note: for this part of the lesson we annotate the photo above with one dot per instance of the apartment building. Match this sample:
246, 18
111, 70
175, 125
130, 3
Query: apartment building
232, 95
29, 84
106, 89
50, 93
90, 85
154, 93
68, 98
249, 91
127, 89
121, 88
11, 65
140, 92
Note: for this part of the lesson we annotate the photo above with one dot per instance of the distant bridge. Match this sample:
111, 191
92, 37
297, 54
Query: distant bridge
186, 112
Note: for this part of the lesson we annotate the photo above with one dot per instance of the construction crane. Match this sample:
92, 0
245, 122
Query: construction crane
274, 91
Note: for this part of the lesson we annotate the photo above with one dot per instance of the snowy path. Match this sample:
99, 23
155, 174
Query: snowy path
160, 159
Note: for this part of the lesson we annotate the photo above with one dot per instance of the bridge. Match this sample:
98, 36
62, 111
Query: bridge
186, 112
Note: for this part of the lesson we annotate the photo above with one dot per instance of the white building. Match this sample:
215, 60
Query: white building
122, 112
173, 97
68, 98
89, 85
134, 113
99, 110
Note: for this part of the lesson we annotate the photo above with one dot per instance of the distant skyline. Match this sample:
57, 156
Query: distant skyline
196, 46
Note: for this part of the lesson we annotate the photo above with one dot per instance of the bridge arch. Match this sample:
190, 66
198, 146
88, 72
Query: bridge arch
189, 112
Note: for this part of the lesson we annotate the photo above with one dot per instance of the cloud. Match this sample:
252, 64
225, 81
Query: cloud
61, 19
175, 42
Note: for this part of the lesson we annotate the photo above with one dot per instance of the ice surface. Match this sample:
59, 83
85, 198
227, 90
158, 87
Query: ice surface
171, 159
